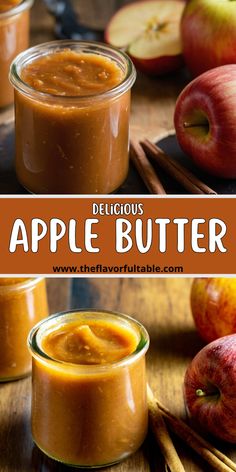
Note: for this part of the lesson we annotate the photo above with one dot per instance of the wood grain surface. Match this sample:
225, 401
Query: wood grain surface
162, 305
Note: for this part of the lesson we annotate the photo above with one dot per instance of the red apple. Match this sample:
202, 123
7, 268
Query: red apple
149, 31
208, 31
210, 388
213, 304
205, 121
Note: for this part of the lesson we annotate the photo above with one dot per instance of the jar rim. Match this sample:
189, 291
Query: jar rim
29, 55
23, 5
39, 353
28, 283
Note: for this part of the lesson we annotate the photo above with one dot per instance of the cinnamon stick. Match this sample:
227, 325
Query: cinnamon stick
219, 461
172, 460
186, 178
145, 169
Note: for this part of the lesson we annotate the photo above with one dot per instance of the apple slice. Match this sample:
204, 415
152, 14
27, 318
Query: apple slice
149, 31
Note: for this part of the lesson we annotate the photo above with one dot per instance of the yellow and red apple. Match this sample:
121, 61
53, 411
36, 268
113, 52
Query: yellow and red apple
208, 33
149, 31
210, 388
213, 305
205, 121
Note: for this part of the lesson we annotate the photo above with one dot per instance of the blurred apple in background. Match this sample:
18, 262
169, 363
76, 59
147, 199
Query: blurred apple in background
149, 32
208, 32
205, 121
210, 388
213, 304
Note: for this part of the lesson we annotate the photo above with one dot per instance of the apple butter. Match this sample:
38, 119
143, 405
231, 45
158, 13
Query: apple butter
23, 302
72, 106
6, 5
89, 406
14, 38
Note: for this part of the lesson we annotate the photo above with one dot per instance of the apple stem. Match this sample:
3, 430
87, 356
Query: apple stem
200, 393
195, 125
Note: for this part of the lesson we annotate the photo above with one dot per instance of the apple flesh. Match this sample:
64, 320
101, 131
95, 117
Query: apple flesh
149, 31
210, 388
208, 33
205, 121
213, 305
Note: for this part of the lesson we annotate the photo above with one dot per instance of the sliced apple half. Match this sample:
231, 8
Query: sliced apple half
149, 31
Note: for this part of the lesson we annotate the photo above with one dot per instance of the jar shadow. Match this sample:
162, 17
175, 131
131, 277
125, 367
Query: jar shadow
8, 180
15, 442
175, 343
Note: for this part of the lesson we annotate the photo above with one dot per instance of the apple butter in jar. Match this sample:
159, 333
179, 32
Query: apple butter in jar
23, 302
89, 405
72, 106
14, 38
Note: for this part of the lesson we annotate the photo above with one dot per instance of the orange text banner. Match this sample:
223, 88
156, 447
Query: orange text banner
117, 235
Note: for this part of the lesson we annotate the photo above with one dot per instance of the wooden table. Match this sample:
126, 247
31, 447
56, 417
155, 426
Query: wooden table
162, 305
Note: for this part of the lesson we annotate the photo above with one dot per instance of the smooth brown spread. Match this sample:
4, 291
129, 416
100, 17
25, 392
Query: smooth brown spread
12, 280
69, 73
90, 342
89, 415
8, 5
76, 145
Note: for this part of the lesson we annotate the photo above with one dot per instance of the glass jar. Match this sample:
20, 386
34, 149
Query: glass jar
88, 415
72, 145
14, 38
23, 302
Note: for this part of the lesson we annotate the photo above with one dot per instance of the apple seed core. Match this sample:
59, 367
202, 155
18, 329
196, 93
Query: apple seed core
154, 26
